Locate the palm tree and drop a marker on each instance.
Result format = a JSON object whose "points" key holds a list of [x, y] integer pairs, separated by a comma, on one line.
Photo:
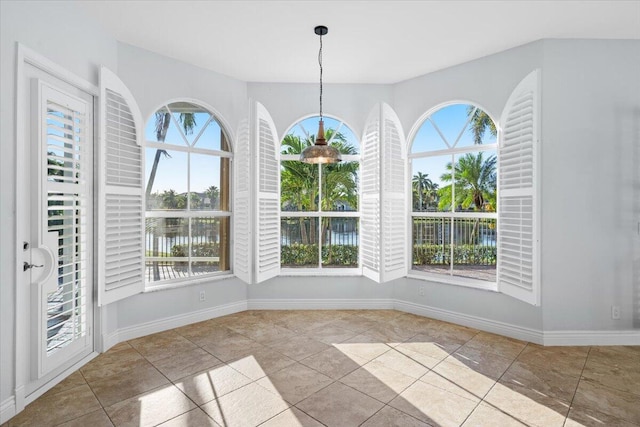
{"points": [[213, 193], [170, 199], [163, 120], [424, 189], [474, 186], [299, 181], [480, 122], [475, 182]]}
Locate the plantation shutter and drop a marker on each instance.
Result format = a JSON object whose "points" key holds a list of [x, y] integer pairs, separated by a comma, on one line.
{"points": [[518, 209], [393, 215], [242, 204], [267, 237], [370, 196], [121, 193]]}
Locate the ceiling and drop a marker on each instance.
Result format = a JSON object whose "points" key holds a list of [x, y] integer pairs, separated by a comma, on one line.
{"points": [[368, 41]]}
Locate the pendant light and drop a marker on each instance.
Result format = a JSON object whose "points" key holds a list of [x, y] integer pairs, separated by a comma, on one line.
{"points": [[320, 152]]}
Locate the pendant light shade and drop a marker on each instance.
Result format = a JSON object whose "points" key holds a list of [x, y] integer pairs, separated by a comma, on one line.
{"points": [[320, 151]]}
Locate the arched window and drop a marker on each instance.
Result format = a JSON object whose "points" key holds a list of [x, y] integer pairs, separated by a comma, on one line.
{"points": [[187, 174], [454, 168], [319, 204]]}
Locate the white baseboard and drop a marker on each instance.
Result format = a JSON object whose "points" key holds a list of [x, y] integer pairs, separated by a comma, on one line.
{"points": [[156, 326], [488, 325], [630, 337], [320, 304], [550, 338], [7, 409]]}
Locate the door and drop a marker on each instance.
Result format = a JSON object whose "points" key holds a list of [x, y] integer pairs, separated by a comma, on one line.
{"points": [[59, 182]]}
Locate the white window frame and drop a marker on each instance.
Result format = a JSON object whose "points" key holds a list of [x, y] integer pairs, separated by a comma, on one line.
{"points": [[187, 214], [319, 214], [452, 215]]}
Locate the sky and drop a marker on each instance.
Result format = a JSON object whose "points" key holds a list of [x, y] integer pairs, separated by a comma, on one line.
{"points": [[205, 169], [450, 120], [172, 172]]}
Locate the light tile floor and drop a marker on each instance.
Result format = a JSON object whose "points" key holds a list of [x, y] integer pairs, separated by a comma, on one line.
{"points": [[343, 368]]}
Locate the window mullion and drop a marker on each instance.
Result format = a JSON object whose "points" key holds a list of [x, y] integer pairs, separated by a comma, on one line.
{"points": [[453, 209], [320, 242]]}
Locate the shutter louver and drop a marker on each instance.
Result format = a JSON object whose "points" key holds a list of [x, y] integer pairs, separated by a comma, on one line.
{"points": [[518, 212], [370, 197], [121, 199], [242, 205], [268, 202]]}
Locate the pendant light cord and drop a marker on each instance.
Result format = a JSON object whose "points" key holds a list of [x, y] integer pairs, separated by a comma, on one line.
{"points": [[320, 62]]}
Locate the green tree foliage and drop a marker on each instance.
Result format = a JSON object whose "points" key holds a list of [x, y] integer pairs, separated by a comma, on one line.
{"points": [[213, 194], [480, 123], [475, 183], [425, 194], [300, 189]]}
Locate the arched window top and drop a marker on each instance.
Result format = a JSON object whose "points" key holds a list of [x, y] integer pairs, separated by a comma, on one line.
{"points": [[337, 133], [454, 126], [189, 125]]}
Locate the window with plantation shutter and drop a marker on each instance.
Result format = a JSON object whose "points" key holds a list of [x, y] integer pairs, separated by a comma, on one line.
{"points": [[383, 196], [393, 196], [518, 218], [121, 200], [242, 259], [267, 237]]}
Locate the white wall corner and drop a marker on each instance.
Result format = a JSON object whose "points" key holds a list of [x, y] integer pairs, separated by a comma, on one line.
{"points": [[320, 304], [488, 325], [7, 409], [627, 337], [164, 324]]}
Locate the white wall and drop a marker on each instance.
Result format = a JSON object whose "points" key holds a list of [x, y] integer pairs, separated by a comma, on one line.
{"points": [[155, 79], [331, 292], [288, 102], [591, 133], [80, 48]]}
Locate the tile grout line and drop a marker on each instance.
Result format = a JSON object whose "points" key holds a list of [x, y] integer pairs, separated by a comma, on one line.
{"points": [[584, 365], [494, 384]]}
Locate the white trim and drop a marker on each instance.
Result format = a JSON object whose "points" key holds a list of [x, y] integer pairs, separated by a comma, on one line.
{"points": [[488, 325], [625, 337], [320, 304], [321, 272], [167, 323], [7, 409]]}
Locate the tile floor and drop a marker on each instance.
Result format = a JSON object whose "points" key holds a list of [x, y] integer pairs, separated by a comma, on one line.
{"points": [[342, 368]]}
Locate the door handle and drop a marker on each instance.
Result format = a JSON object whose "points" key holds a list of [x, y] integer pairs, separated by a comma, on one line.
{"points": [[27, 266]]}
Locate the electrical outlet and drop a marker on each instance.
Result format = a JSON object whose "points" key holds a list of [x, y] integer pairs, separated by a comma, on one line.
{"points": [[615, 312], [421, 290], [202, 297]]}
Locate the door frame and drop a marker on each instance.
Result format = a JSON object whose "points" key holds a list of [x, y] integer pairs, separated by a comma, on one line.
{"points": [[22, 362]]}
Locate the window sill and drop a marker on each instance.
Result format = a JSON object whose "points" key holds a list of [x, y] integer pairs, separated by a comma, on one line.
{"points": [[320, 272], [161, 286], [456, 281]]}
